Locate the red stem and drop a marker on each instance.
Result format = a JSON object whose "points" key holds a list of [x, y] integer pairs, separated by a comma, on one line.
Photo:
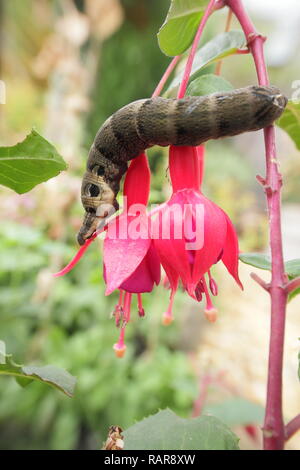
{"points": [[292, 427], [165, 76], [188, 67], [200, 402], [260, 281], [292, 285], [273, 424]]}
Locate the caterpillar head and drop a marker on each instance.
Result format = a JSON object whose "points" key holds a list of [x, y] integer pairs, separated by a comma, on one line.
{"points": [[99, 202], [269, 104]]}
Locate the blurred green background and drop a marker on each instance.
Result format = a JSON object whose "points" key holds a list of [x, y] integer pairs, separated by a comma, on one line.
{"points": [[67, 66]]}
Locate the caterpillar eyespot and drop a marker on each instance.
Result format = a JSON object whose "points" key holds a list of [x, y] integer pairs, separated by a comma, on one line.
{"points": [[98, 170], [160, 121], [92, 190]]}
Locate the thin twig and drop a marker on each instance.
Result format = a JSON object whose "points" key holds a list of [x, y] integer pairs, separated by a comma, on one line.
{"points": [[227, 28], [292, 427], [292, 285], [188, 68], [260, 281], [165, 76]]}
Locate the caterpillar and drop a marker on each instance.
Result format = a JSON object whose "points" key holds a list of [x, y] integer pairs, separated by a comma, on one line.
{"points": [[160, 121]]}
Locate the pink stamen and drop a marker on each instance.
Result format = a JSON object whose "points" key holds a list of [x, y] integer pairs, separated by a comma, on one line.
{"points": [[200, 286], [198, 292], [210, 311], [79, 254], [212, 284], [168, 315], [127, 305], [120, 346], [141, 310], [118, 312]]}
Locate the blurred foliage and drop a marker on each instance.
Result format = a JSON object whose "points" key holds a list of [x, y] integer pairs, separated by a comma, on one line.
{"points": [[131, 64], [71, 328]]}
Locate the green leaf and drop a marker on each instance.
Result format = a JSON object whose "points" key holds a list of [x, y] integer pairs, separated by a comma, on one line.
{"points": [[294, 294], [51, 375], [236, 411], [292, 268], [258, 260], [180, 26], [29, 163], [167, 431], [207, 84], [289, 121], [219, 47]]}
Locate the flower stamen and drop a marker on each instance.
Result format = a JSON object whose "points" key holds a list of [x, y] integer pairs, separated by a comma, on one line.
{"points": [[120, 346], [141, 310], [118, 312], [213, 286], [168, 315], [210, 311]]}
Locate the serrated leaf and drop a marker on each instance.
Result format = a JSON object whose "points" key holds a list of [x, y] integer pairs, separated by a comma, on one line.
{"points": [[207, 84], [236, 412], [258, 260], [51, 375], [219, 47], [180, 26], [289, 121], [167, 431], [29, 163]]}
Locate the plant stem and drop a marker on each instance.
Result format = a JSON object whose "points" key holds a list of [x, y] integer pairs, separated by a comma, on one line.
{"points": [[188, 68], [227, 28], [292, 427], [273, 426], [292, 285], [165, 76], [200, 402]]}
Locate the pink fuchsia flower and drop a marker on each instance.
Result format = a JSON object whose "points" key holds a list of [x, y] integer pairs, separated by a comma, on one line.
{"points": [[200, 233], [130, 262], [129, 258]]}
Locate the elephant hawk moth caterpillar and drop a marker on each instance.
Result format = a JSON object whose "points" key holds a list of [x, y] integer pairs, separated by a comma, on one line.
{"points": [[159, 121]]}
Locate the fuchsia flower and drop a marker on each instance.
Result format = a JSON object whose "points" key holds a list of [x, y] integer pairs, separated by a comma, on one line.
{"points": [[130, 260], [200, 233], [187, 241]]}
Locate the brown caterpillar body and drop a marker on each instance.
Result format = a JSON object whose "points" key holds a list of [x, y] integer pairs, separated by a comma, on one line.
{"points": [[160, 121]]}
